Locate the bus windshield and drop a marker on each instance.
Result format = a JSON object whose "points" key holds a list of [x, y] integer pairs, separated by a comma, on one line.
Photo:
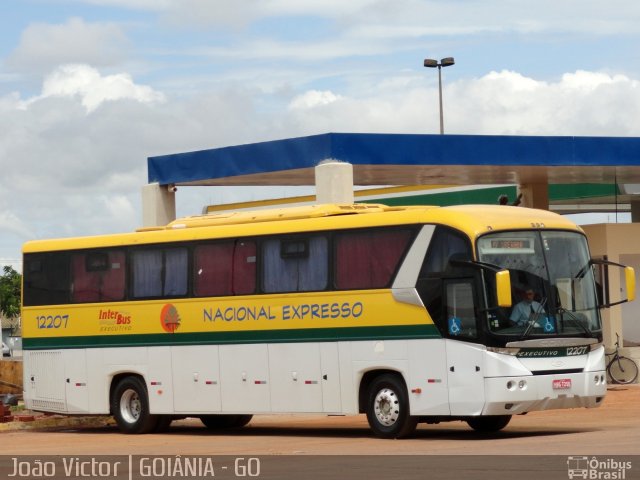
{"points": [[553, 283]]}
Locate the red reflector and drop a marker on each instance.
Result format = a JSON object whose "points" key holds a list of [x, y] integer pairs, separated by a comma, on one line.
{"points": [[260, 382]]}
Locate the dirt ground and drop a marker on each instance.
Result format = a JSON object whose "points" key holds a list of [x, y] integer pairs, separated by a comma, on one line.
{"points": [[612, 429]]}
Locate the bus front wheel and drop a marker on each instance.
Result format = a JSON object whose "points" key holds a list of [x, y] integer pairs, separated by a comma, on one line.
{"points": [[388, 408], [488, 424], [130, 406]]}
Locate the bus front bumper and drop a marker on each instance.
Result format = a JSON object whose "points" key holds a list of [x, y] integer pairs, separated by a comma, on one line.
{"points": [[515, 395]]}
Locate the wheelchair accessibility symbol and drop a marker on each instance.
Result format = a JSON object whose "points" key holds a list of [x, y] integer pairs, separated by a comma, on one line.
{"points": [[455, 326], [549, 325]]}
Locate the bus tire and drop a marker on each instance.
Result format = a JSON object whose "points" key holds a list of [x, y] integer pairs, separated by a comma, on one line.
{"points": [[388, 408], [489, 424], [130, 406], [225, 421]]}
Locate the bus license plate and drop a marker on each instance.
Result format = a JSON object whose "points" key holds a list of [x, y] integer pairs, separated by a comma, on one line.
{"points": [[562, 384]]}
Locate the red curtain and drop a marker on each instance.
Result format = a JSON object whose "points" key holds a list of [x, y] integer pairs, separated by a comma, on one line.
{"points": [[222, 269], [368, 259], [99, 285]]}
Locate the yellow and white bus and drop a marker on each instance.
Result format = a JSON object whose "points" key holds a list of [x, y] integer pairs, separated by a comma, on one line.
{"points": [[401, 313]]}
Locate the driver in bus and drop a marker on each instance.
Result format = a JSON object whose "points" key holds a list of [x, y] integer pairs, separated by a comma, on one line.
{"points": [[523, 310]]}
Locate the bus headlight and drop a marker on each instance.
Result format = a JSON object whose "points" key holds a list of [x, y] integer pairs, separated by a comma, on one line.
{"points": [[522, 384]]}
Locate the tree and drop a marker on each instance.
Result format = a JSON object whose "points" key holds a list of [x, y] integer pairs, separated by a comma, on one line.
{"points": [[10, 282]]}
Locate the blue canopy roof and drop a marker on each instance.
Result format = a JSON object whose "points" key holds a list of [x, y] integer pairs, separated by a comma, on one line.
{"points": [[405, 159]]}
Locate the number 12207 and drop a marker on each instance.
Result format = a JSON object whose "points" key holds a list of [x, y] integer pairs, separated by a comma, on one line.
{"points": [[50, 321]]}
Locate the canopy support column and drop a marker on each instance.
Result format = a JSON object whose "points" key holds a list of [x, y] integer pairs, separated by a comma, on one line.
{"points": [[534, 195], [158, 205], [334, 182]]}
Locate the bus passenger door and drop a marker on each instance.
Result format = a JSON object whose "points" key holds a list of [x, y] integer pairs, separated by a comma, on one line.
{"points": [[465, 360]]}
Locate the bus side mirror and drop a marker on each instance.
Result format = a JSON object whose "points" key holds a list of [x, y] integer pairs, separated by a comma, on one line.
{"points": [[630, 280], [503, 288]]}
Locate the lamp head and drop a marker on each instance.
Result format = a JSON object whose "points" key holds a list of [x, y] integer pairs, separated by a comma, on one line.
{"points": [[447, 62]]}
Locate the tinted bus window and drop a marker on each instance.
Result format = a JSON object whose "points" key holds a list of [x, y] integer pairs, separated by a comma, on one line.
{"points": [[222, 269], [368, 259], [98, 276], [46, 279], [159, 272], [299, 264]]}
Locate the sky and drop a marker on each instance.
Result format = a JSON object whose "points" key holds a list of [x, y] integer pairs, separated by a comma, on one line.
{"points": [[90, 88]]}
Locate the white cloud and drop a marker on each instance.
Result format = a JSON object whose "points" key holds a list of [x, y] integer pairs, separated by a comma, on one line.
{"points": [[580, 103], [93, 89], [236, 12], [44, 46], [589, 81], [312, 99], [405, 18]]}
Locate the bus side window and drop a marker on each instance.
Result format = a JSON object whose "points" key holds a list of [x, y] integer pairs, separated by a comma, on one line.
{"points": [[159, 272], [461, 317], [369, 258], [47, 279], [98, 276], [224, 268], [296, 264], [446, 244]]}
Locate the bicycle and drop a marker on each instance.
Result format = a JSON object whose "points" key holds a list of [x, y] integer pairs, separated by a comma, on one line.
{"points": [[621, 370]]}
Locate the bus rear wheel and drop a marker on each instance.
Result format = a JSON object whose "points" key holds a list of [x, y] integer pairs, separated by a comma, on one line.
{"points": [[225, 421], [130, 406], [388, 408], [488, 424]]}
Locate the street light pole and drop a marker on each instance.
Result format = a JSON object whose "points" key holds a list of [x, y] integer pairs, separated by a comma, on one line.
{"points": [[445, 62]]}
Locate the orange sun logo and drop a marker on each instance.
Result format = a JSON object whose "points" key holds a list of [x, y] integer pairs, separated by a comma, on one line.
{"points": [[169, 318]]}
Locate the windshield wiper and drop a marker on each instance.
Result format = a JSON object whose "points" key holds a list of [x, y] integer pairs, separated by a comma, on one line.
{"points": [[582, 272], [575, 320], [533, 319]]}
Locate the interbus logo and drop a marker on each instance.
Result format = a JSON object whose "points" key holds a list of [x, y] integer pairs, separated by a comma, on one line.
{"points": [[169, 318]]}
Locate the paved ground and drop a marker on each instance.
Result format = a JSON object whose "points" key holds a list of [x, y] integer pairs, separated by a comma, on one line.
{"points": [[612, 429]]}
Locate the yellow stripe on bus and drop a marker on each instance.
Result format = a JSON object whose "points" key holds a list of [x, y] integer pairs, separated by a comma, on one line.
{"points": [[371, 308]]}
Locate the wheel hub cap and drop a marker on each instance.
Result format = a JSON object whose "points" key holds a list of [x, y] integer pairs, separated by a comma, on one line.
{"points": [[130, 406], [387, 407]]}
